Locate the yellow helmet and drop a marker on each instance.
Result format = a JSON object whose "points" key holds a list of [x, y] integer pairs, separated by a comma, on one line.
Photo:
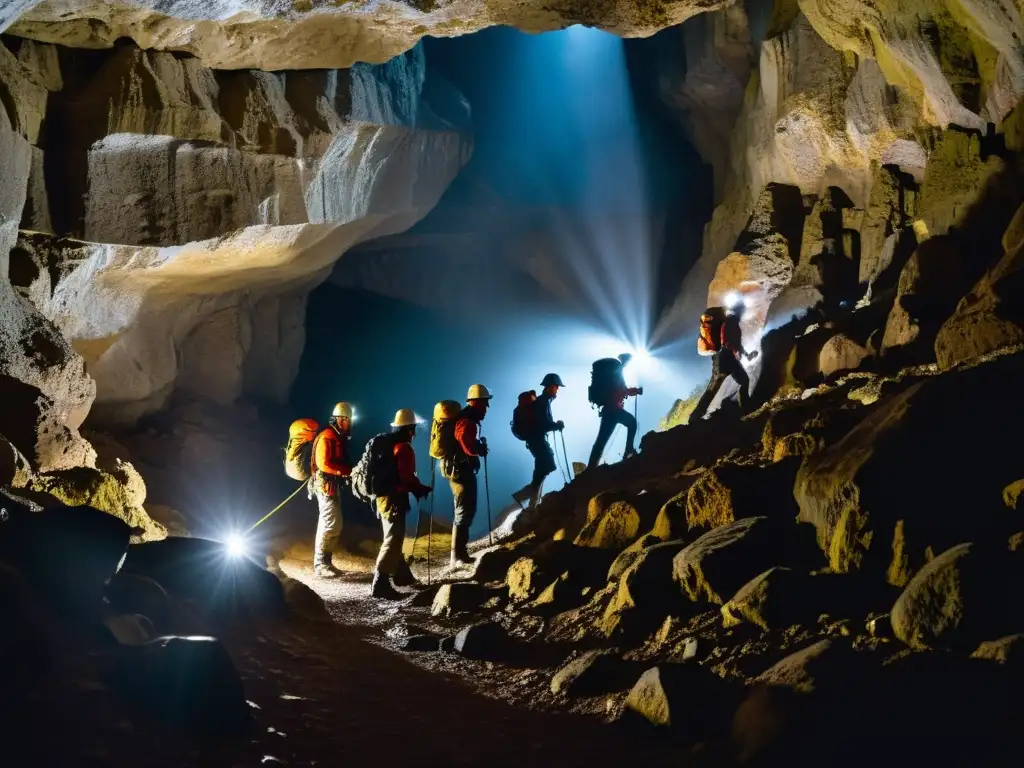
{"points": [[406, 417], [343, 411], [478, 392]]}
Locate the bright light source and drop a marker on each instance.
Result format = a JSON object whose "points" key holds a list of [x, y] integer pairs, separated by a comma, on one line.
{"points": [[235, 545]]}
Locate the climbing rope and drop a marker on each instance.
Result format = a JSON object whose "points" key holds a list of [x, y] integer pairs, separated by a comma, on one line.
{"points": [[275, 509]]}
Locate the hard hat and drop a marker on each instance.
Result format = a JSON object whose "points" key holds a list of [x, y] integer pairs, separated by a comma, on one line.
{"points": [[304, 428], [479, 392], [552, 380], [625, 357], [343, 410], [405, 418]]}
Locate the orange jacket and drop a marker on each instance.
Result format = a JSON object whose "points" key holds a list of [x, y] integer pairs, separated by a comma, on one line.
{"points": [[330, 453], [467, 433], [405, 458]]}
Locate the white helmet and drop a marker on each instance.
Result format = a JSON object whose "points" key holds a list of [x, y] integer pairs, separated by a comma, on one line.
{"points": [[405, 418], [479, 392], [343, 410]]}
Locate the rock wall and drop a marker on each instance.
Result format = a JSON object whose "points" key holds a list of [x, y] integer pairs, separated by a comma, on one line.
{"points": [[177, 216], [308, 34]]}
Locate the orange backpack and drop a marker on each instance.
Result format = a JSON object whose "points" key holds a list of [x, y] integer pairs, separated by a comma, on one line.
{"points": [[712, 324], [298, 453]]}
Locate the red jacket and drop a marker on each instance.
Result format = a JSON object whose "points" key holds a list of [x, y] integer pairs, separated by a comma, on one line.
{"points": [[618, 397], [467, 433], [330, 454], [408, 482]]}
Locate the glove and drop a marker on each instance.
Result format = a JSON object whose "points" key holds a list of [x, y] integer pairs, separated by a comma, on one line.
{"points": [[559, 425], [424, 492], [483, 449], [640, 391], [752, 355]]}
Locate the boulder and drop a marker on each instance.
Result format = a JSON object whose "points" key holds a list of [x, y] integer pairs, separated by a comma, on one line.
{"points": [[1007, 650], [120, 493], [26, 643], [131, 593], [15, 471], [548, 562], [952, 601], [645, 594], [303, 600], [422, 643], [671, 522], [716, 565], [493, 564], [841, 353], [202, 571], [459, 597], [594, 672], [613, 522], [487, 641], [686, 698], [729, 492], [188, 682], [988, 318], [825, 664], [629, 555], [777, 598], [865, 521], [130, 629], [1012, 494], [67, 553]]}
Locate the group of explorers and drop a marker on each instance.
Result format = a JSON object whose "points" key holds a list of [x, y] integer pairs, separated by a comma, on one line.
{"points": [[385, 476]]}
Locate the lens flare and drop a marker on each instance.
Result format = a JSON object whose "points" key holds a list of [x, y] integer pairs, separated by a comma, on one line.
{"points": [[235, 545]]}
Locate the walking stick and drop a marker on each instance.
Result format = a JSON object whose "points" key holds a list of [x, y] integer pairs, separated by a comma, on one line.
{"points": [[487, 490], [565, 455], [554, 451], [430, 519]]}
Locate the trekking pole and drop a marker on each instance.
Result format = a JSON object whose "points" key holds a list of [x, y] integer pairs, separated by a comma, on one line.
{"points": [[565, 455], [419, 524], [554, 451], [487, 490], [430, 519]]}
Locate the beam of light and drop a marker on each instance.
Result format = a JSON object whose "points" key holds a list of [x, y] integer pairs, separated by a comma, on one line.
{"points": [[235, 545]]}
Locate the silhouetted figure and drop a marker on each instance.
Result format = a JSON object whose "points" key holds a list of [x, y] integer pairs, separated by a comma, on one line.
{"points": [[721, 337], [533, 430], [608, 390]]}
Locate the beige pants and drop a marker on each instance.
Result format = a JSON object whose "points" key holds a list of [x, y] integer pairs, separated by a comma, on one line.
{"points": [[392, 512], [328, 527]]}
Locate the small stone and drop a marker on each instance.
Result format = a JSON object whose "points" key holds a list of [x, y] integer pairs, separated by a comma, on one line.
{"points": [[1007, 650], [482, 641]]}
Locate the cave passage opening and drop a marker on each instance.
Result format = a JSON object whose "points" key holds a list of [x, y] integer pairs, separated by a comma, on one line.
{"points": [[561, 241]]}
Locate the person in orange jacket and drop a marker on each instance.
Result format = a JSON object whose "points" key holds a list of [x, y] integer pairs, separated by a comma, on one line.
{"points": [[726, 339], [331, 467], [393, 508], [464, 467]]}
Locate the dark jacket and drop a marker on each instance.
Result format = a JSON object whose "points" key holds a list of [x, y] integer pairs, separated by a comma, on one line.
{"points": [[543, 422]]}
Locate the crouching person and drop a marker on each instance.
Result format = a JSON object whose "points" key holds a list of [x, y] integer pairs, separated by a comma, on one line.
{"points": [[392, 509]]}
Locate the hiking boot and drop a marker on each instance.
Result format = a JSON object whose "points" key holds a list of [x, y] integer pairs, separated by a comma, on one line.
{"points": [[323, 568], [629, 453], [522, 496], [405, 578], [460, 538], [381, 588]]}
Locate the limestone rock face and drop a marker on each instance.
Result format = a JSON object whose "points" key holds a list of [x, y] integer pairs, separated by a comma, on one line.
{"points": [[205, 205], [310, 34]]}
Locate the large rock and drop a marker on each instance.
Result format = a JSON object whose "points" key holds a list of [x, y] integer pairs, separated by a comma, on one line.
{"points": [[594, 672], [459, 598], [953, 601], [66, 553], [312, 34], [120, 493], [775, 599], [989, 317], [614, 525], [188, 682], [945, 492], [716, 565], [686, 698], [841, 353], [207, 205], [202, 571], [729, 492], [645, 594]]}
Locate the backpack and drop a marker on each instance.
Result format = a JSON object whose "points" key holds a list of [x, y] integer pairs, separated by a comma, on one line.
{"points": [[443, 444], [605, 378], [376, 472], [712, 327], [298, 453], [524, 416]]}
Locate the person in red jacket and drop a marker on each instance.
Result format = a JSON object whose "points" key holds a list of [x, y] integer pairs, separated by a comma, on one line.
{"points": [[613, 413], [727, 341], [331, 467], [464, 466], [392, 509]]}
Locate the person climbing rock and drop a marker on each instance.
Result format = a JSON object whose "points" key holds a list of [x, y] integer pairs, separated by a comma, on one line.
{"points": [[721, 336], [534, 431], [608, 391], [393, 508], [331, 467], [462, 468]]}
